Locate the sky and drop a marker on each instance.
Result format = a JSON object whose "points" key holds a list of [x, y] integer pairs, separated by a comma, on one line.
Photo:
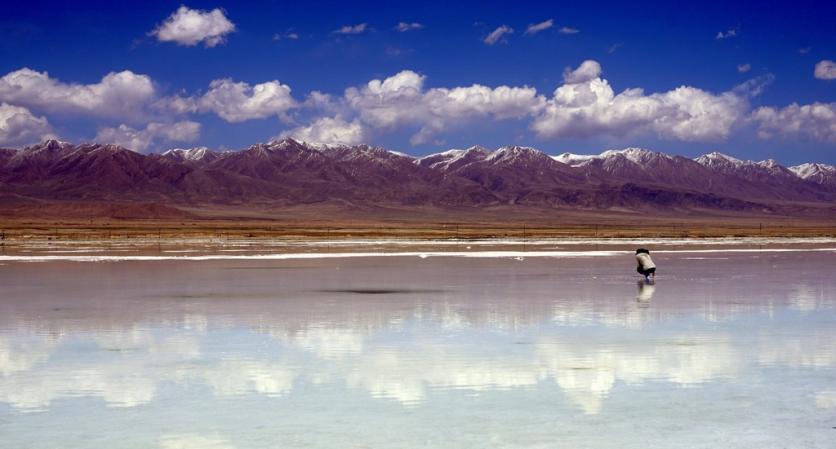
{"points": [[755, 80]]}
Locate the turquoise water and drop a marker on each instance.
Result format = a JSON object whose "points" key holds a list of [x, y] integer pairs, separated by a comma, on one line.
{"points": [[726, 350]]}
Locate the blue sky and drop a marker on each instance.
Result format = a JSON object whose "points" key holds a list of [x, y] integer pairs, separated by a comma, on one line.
{"points": [[655, 46]]}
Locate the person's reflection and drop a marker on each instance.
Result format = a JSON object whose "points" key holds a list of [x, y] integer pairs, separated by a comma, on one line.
{"points": [[645, 294]]}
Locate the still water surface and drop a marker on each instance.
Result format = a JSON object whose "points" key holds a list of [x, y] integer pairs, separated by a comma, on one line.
{"points": [[728, 349]]}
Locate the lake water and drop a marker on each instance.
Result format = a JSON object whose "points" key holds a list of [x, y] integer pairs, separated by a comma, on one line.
{"points": [[729, 349]]}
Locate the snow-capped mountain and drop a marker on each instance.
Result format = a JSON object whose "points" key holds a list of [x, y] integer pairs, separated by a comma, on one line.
{"points": [[292, 173], [196, 155], [823, 174], [639, 156], [763, 178], [722, 163], [453, 159]]}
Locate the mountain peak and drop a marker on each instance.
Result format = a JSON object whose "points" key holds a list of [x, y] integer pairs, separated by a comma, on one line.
{"points": [[287, 142], [816, 172], [575, 160], [716, 158], [189, 154], [48, 145], [514, 152], [637, 155], [454, 158]]}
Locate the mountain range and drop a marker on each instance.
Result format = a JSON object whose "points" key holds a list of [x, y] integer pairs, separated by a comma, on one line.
{"points": [[55, 175]]}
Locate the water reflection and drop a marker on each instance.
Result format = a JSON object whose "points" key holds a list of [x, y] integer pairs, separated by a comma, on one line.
{"points": [[125, 369], [130, 347], [645, 294]]}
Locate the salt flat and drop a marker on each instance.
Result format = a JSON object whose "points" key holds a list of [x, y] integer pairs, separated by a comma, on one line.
{"points": [[521, 346]]}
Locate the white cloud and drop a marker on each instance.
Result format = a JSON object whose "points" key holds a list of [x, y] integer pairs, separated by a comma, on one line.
{"points": [[291, 35], [498, 34], [353, 29], [328, 130], [535, 28], [402, 100], [407, 26], [122, 95], [817, 120], [727, 34], [235, 101], [743, 68], [588, 70], [825, 70], [568, 30], [18, 126], [141, 139], [587, 105], [753, 87], [190, 27]]}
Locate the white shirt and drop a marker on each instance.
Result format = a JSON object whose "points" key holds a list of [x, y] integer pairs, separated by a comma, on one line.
{"points": [[645, 261]]}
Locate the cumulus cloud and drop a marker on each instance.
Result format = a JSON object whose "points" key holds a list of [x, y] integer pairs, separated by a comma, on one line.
{"points": [[18, 126], [353, 29], [235, 101], [329, 130], [568, 30], [407, 26], [190, 27], [535, 28], [825, 70], [587, 105], [726, 34], [402, 100], [588, 70], [141, 139], [122, 95], [743, 68], [498, 34], [817, 121]]}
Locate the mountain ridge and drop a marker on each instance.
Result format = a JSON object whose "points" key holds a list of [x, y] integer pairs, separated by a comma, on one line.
{"points": [[289, 172]]}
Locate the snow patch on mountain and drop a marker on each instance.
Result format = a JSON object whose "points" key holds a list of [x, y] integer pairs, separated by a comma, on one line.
{"points": [[717, 159], [811, 169], [454, 157], [188, 154], [824, 174], [575, 160], [637, 155], [514, 153]]}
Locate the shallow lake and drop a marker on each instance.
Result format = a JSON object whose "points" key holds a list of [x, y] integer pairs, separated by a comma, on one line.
{"points": [[727, 349]]}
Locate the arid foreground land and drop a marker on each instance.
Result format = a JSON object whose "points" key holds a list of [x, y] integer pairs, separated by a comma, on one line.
{"points": [[501, 224]]}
